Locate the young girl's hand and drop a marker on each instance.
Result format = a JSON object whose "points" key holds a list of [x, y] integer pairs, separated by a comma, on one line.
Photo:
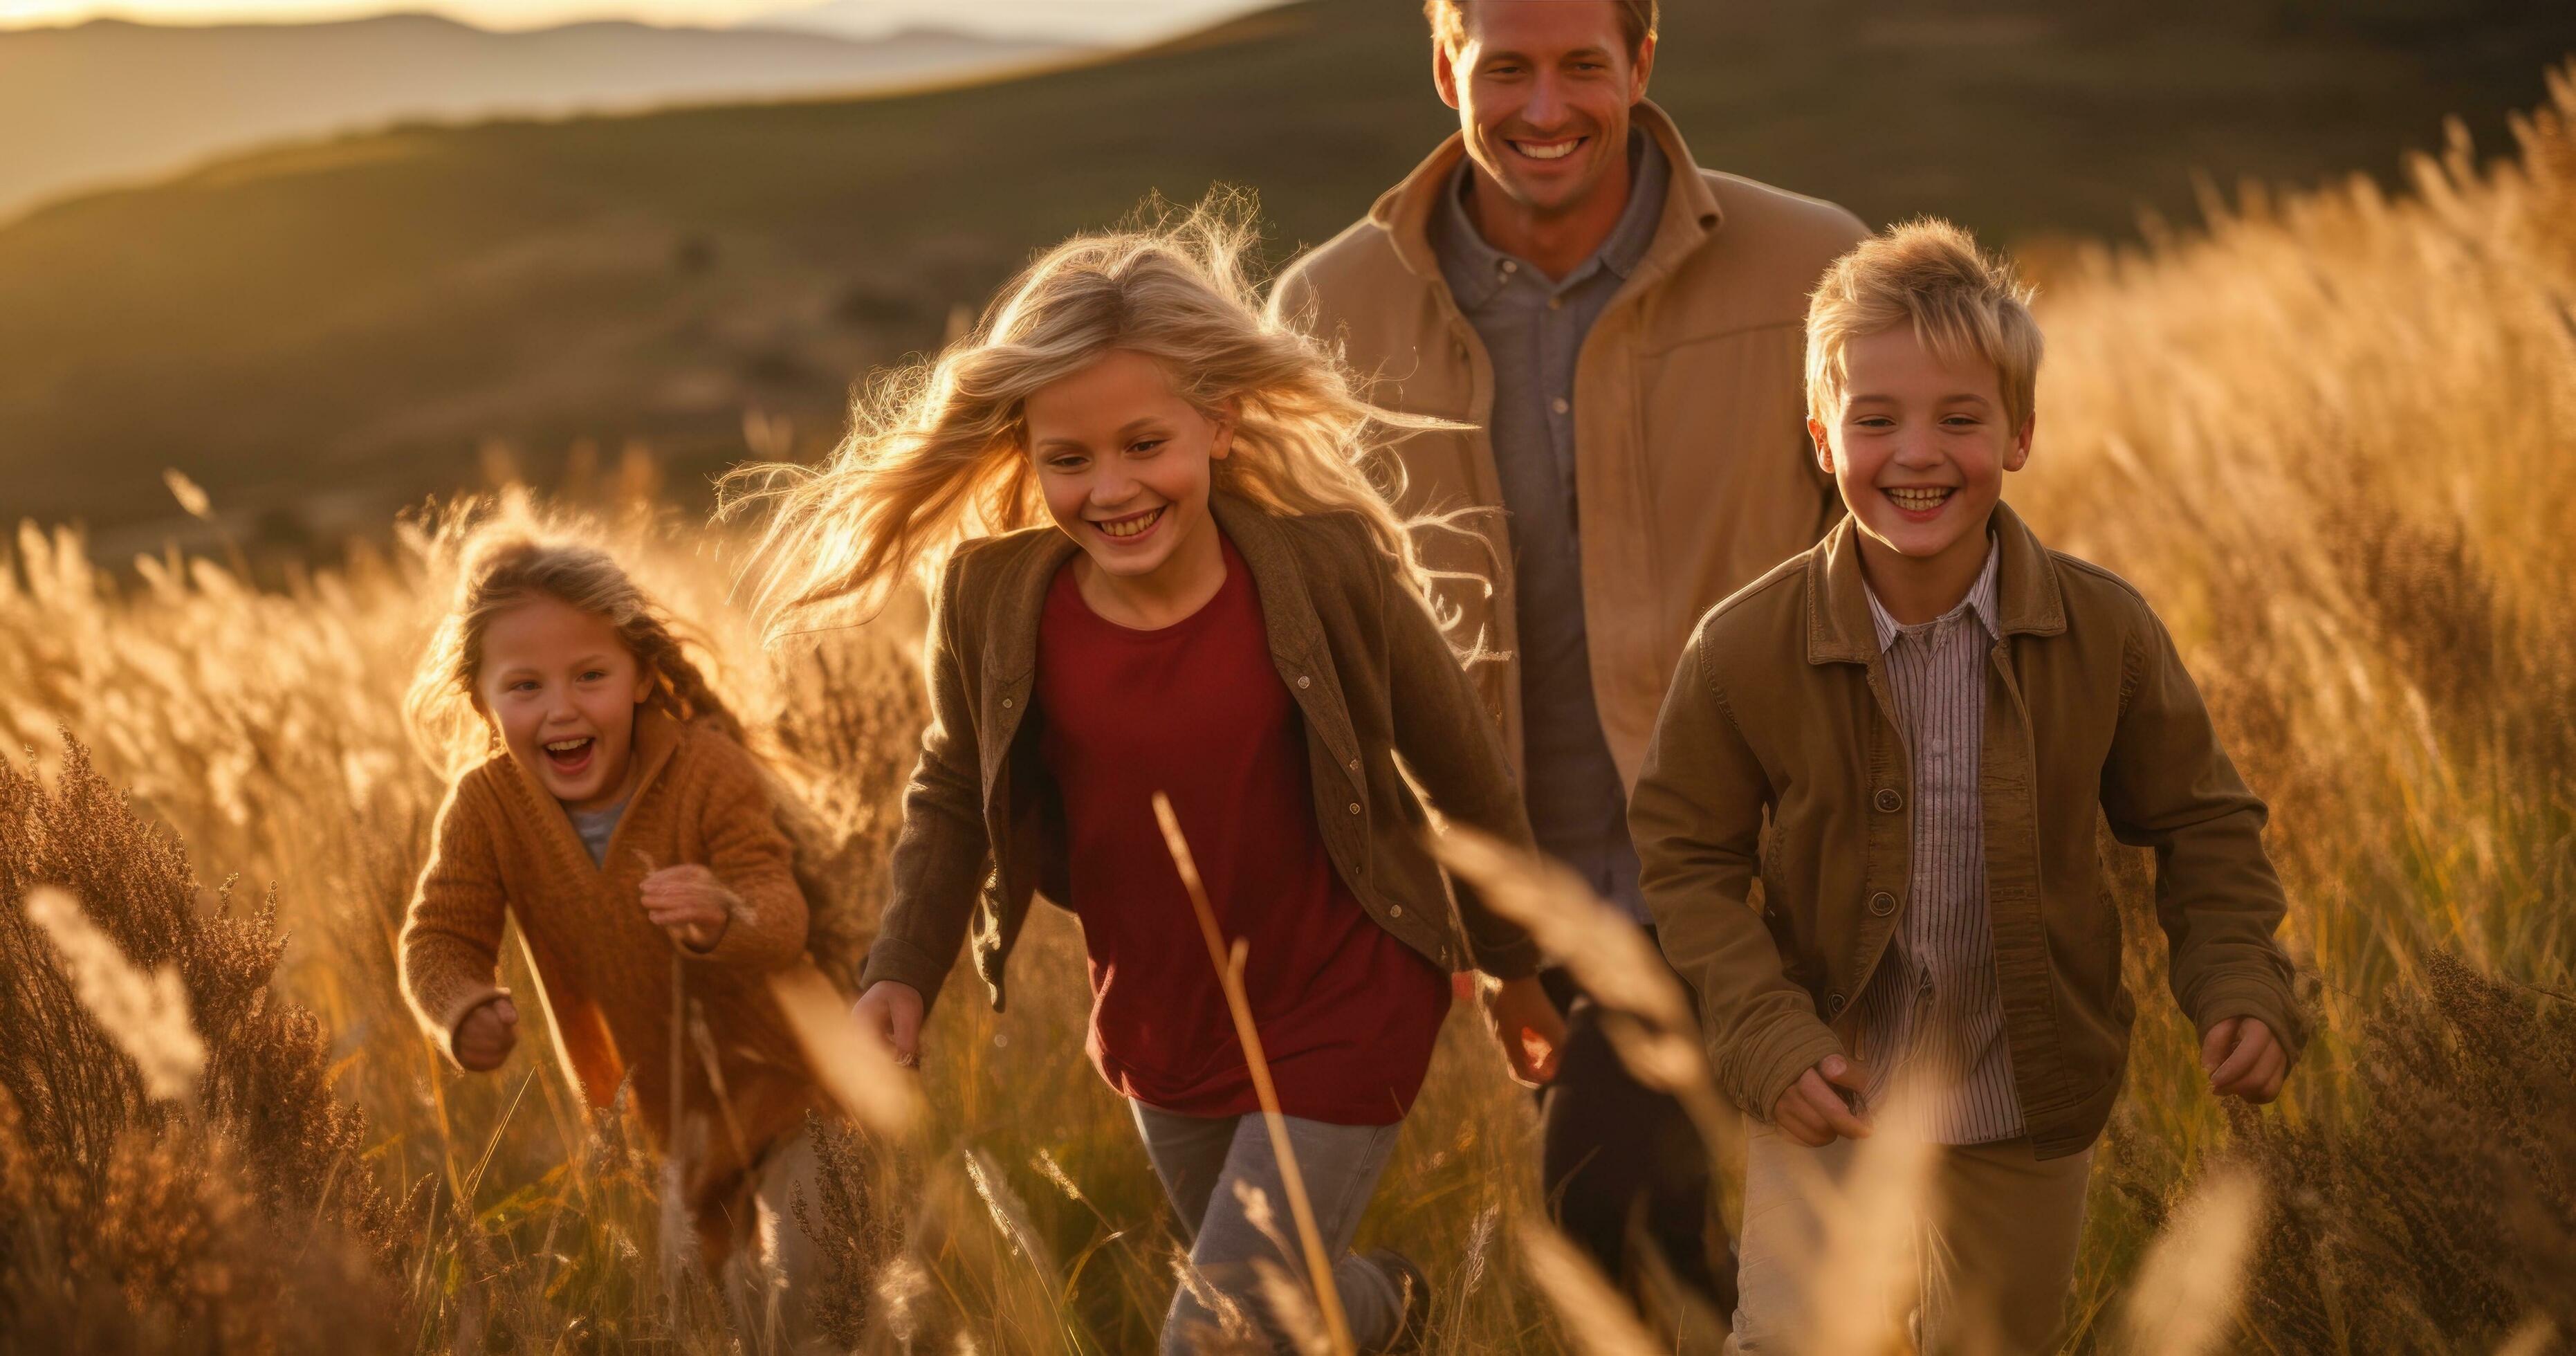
{"points": [[691, 904], [1530, 1028], [487, 1035], [891, 1012], [2244, 1059]]}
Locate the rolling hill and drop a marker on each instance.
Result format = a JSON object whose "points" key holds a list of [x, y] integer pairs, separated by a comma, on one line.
{"points": [[110, 101], [316, 332]]}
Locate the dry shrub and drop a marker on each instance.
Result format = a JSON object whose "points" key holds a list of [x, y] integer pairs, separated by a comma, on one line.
{"points": [[242, 1217], [2443, 1214]]}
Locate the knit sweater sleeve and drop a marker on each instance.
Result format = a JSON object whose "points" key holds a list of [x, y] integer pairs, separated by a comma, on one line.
{"points": [[451, 936], [753, 857]]}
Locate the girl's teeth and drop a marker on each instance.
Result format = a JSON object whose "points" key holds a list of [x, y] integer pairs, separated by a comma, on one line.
{"points": [[1128, 527]]}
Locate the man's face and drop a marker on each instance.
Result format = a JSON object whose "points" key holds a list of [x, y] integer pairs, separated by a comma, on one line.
{"points": [[1543, 89]]}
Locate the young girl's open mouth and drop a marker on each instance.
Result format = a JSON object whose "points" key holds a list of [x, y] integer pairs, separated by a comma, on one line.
{"points": [[571, 757], [1132, 527]]}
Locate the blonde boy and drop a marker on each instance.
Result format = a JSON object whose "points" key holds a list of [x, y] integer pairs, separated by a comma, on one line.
{"points": [[1931, 710]]}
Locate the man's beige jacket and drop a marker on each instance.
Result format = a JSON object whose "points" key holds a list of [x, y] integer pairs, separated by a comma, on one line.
{"points": [[1692, 468]]}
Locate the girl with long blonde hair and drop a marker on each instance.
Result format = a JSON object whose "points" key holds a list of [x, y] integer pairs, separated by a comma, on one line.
{"points": [[1159, 564], [600, 794]]}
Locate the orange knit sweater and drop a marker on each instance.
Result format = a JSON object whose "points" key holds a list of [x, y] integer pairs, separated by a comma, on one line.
{"points": [[504, 845]]}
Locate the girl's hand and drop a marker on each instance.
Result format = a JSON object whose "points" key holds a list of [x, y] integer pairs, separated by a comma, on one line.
{"points": [[890, 1011], [2244, 1059], [1530, 1028], [487, 1035], [691, 904]]}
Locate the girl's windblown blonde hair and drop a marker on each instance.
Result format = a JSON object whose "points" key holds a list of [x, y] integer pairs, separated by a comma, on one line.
{"points": [[505, 555], [936, 451]]}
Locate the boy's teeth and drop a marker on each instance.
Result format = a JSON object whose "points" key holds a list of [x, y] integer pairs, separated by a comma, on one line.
{"points": [[1919, 499]]}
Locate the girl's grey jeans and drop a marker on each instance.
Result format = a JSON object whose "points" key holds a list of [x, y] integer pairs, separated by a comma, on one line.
{"points": [[1223, 1182]]}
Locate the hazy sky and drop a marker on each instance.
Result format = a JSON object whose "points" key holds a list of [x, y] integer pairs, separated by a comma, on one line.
{"points": [[1095, 20]]}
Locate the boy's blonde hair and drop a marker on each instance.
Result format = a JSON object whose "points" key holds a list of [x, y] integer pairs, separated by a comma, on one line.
{"points": [[505, 555], [1930, 274], [936, 453]]}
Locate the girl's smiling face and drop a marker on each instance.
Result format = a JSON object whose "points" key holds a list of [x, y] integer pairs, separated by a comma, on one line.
{"points": [[563, 687], [1125, 465]]}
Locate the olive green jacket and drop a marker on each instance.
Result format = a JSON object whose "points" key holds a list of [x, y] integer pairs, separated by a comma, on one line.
{"points": [[1371, 674], [1779, 718]]}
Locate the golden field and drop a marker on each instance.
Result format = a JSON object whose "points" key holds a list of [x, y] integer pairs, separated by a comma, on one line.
{"points": [[2330, 440]]}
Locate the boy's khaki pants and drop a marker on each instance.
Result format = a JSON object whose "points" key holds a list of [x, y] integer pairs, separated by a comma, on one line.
{"points": [[1968, 1249]]}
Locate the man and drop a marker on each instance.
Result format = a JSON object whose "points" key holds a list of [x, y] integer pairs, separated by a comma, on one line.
{"points": [[1625, 331]]}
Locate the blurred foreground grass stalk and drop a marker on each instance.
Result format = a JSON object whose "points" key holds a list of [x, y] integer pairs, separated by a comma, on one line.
{"points": [[2329, 441]]}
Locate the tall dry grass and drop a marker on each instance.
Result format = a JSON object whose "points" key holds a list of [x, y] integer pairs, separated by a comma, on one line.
{"points": [[2327, 439]]}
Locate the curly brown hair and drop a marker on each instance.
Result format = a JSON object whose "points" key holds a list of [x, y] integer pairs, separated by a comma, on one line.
{"points": [[504, 559]]}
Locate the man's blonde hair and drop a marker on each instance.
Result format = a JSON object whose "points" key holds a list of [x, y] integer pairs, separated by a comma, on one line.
{"points": [[1637, 22], [1961, 301]]}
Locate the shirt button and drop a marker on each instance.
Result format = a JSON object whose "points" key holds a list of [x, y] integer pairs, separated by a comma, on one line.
{"points": [[1560, 404], [1355, 807], [1889, 800], [1882, 903], [1510, 266], [1556, 303]]}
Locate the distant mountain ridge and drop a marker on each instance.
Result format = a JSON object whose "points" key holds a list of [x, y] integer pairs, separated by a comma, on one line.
{"points": [[113, 101], [315, 333]]}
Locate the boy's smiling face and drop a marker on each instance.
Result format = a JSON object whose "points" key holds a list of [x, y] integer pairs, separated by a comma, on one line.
{"points": [[1919, 448], [563, 687]]}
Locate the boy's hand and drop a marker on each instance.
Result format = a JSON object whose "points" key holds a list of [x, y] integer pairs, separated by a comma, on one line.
{"points": [[691, 904], [487, 1035], [891, 1011], [1530, 1028], [2244, 1059], [1814, 1113]]}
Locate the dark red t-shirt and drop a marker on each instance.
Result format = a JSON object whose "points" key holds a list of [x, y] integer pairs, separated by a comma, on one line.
{"points": [[1196, 710]]}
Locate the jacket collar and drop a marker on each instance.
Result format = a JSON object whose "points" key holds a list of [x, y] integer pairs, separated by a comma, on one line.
{"points": [[1841, 631], [1036, 554], [1407, 212]]}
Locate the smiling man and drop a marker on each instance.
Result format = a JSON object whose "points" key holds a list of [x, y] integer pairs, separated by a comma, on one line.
{"points": [[1625, 332]]}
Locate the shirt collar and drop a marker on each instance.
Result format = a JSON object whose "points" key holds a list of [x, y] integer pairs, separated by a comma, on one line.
{"points": [[1980, 601], [1478, 271]]}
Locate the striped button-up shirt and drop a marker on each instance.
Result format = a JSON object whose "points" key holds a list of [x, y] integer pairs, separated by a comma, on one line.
{"points": [[1931, 1019]]}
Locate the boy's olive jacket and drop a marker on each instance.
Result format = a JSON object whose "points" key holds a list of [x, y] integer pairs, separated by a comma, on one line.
{"points": [[1780, 715], [1370, 673]]}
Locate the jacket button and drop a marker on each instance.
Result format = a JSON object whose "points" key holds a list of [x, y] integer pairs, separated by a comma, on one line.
{"points": [[1395, 911], [1833, 1005], [1006, 703], [1889, 800], [1882, 903], [1304, 682], [1355, 807], [1355, 765]]}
